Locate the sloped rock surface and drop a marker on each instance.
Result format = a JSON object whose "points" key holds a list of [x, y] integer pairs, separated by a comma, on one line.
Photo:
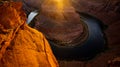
{"points": [[20, 45]]}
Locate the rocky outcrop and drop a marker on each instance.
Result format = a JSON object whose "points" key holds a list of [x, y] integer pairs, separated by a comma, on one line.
{"points": [[20, 45]]}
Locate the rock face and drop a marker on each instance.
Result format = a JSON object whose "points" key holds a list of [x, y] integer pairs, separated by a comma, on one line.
{"points": [[114, 62], [106, 10], [20, 45]]}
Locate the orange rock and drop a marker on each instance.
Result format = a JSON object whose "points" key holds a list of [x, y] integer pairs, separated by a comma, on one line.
{"points": [[20, 45]]}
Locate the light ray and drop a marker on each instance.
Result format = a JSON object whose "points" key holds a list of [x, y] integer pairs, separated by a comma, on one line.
{"points": [[57, 10]]}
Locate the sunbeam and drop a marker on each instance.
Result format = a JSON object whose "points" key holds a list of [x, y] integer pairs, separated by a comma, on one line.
{"points": [[57, 10]]}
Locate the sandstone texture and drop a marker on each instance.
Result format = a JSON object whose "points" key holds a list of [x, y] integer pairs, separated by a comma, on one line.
{"points": [[20, 45]]}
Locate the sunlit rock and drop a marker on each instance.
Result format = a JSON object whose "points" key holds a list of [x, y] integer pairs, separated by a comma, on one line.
{"points": [[20, 45]]}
